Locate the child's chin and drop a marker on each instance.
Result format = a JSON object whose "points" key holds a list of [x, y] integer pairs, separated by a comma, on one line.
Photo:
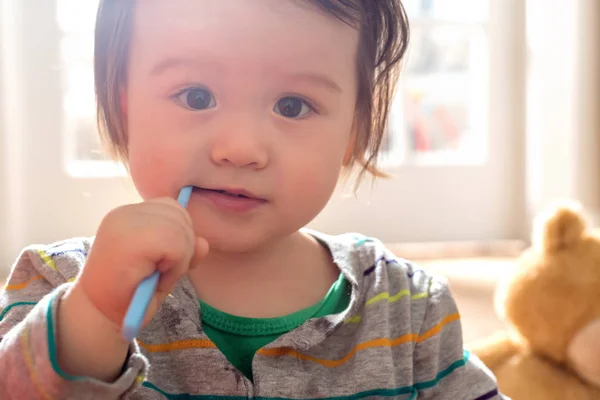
{"points": [[236, 243], [245, 236]]}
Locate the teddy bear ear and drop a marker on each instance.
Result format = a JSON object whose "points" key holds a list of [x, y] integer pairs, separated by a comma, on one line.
{"points": [[559, 227]]}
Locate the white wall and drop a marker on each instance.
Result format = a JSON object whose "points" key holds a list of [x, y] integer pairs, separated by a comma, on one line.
{"points": [[11, 149], [42, 201], [4, 223], [587, 107], [3, 189], [563, 132]]}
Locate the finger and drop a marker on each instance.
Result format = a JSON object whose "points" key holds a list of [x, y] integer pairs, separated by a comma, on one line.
{"points": [[175, 214], [200, 252], [166, 244], [175, 270], [153, 222], [171, 276], [167, 203]]}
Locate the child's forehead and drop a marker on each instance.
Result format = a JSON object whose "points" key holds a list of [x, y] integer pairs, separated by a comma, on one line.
{"points": [[283, 30], [282, 17]]}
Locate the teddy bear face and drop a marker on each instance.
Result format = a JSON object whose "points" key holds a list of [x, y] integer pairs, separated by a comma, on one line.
{"points": [[554, 297]]}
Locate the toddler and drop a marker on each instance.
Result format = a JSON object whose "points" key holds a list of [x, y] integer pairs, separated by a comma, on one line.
{"points": [[261, 106]]}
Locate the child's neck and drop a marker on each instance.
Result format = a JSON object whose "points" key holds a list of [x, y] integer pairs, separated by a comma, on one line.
{"points": [[293, 273]]}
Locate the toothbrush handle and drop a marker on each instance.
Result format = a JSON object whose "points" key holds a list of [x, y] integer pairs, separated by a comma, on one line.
{"points": [[134, 317], [139, 305]]}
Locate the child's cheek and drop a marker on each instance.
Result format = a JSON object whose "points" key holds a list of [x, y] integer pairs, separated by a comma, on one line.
{"points": [[309, 189], [153, 175]]}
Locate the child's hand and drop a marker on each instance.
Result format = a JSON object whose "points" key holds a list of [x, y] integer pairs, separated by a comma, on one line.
{"points": [[132, 242]]}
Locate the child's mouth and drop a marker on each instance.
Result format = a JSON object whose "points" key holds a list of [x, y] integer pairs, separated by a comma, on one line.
{"points": [[237, 200], [232, 193], [226, 193]]}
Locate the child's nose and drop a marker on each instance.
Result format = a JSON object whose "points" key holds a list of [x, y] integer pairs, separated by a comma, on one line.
{"points": [[241, 144]]}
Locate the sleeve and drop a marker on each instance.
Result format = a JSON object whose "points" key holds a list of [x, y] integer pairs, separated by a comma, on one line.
{"points": [[29, 304], [443, 369]]}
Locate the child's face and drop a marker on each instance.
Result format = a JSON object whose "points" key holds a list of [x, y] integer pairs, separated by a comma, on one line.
{"points": [[238, 94]]}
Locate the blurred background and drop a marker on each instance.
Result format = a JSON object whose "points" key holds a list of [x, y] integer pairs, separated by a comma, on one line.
{"points": [[497, 114]]}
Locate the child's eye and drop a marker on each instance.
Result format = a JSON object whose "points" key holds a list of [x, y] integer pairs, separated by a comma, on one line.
{"points": [[292, 107], [196, 98]]}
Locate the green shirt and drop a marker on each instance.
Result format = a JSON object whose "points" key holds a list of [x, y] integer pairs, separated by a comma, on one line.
{"points": [[239, 338]]}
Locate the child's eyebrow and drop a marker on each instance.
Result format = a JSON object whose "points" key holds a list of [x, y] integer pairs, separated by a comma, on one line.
{"points": [[176, 62], [313, 78], [316, 79]]}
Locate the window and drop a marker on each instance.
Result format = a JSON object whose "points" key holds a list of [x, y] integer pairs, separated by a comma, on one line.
{"points": [[84, 150], [440, 111]]}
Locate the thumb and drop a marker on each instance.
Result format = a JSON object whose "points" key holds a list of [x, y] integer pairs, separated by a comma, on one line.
{"points": [[169, 279], [200, 252]]}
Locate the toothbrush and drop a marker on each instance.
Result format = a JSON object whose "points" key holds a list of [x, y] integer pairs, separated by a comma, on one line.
{"points": [[145, 290]]}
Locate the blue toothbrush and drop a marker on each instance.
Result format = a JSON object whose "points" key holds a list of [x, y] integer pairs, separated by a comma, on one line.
{"points": [[143, 294]]}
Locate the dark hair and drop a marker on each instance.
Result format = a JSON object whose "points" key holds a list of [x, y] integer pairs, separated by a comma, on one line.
{"points": [[384, 35]]}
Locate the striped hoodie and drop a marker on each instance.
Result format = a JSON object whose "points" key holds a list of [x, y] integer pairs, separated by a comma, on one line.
{"points": [[399, 338]]}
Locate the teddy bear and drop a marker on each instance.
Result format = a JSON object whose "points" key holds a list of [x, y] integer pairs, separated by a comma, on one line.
{"points": [[551, 306]]}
